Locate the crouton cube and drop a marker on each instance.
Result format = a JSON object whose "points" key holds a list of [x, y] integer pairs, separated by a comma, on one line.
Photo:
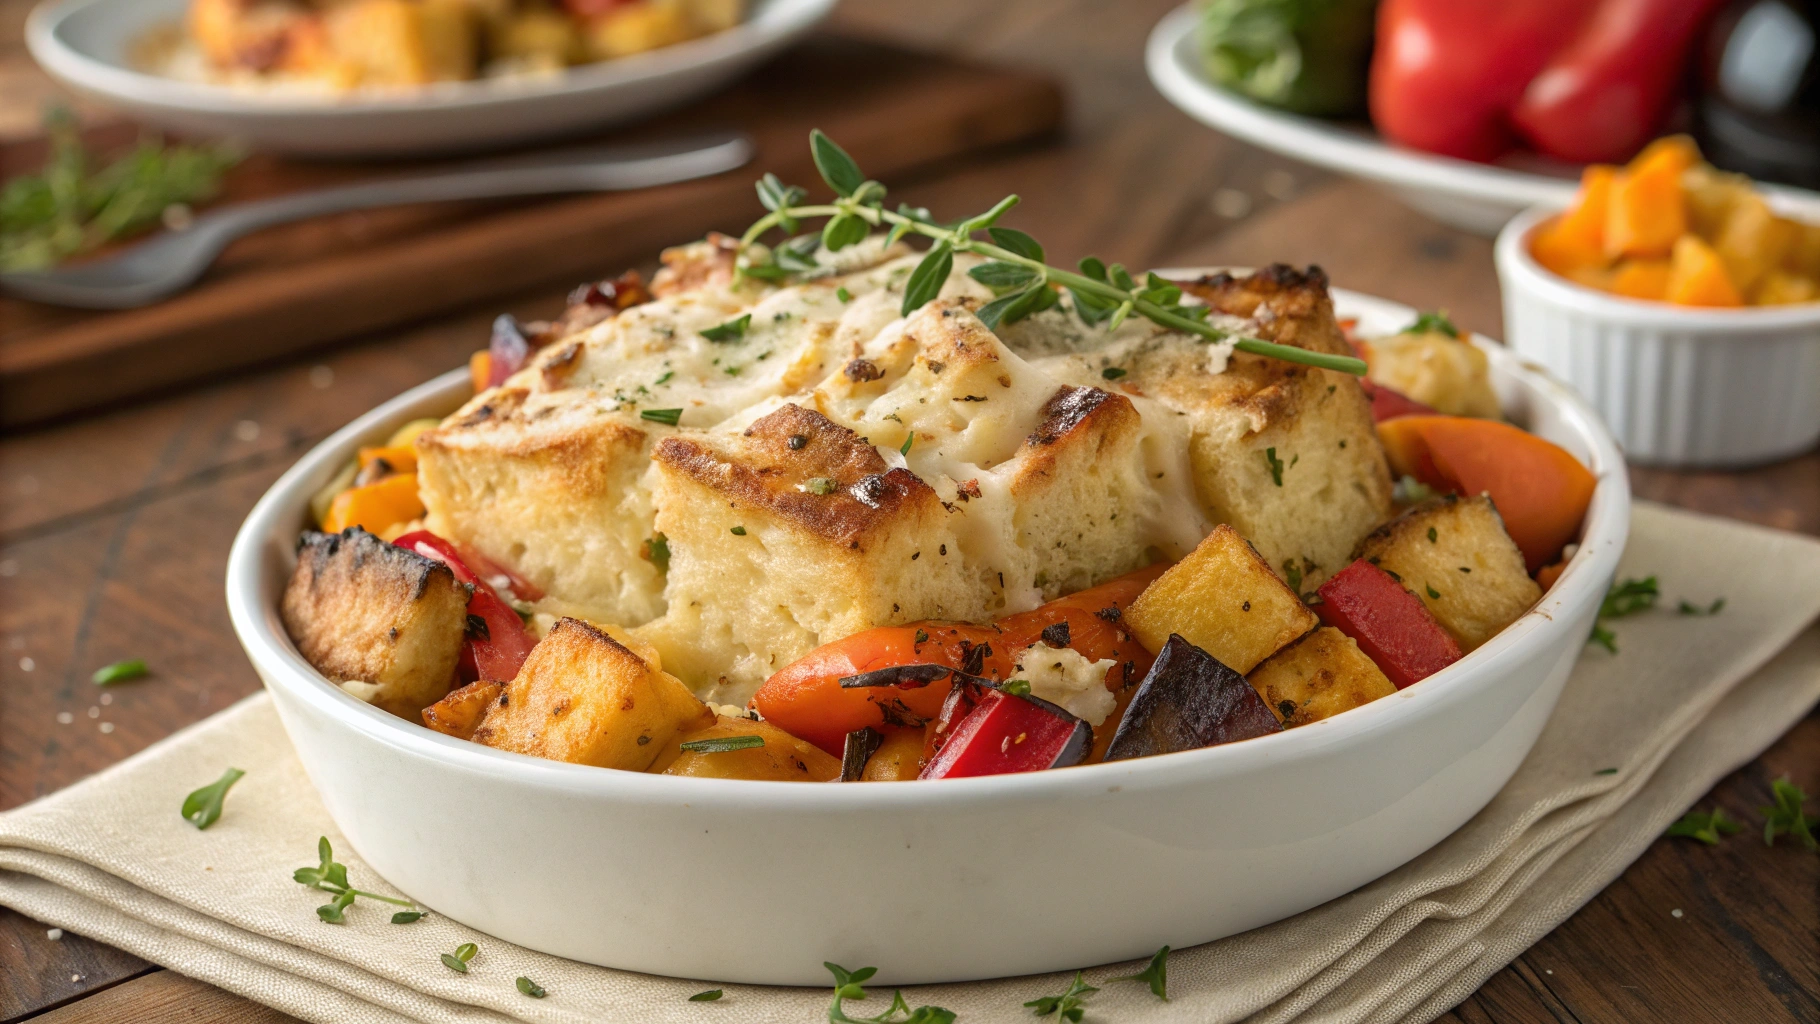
{"points": [[1317, 677], [637, 27], [459, 713], [586, 698], [782, 757], [384, 623], [1452, 553], [1446, 374], [1223, 599], [401, 42]]}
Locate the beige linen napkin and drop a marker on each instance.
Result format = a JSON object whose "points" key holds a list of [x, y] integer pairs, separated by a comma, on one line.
{"points": [[1686, 701]]}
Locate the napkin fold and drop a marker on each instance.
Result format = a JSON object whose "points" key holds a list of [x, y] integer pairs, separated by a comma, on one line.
{"points": [[1685, 701]]}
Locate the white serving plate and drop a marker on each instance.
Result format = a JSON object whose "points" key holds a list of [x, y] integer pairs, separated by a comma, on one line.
{"points": [[761, 882], [84, 45], [1470, 196]]}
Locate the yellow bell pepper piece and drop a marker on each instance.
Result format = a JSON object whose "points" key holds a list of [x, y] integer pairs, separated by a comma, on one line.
{"points": [[375, 507]]}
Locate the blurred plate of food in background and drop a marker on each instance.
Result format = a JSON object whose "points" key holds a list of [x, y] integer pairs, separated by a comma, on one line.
{"points": [[373, 78]]}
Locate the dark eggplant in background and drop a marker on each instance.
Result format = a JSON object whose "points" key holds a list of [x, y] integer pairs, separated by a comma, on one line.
{"points": [[1187, 701]]}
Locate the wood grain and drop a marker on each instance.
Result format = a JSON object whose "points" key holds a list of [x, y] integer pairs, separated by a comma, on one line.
{"points": [[163, 997], [294, 287], [117, 545]]}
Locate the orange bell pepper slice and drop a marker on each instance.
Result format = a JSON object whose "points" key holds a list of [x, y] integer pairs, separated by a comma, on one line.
{"points": [[480, 369], [1541, 491], [1641, 279], [376, 506], [1576, 238], [1648, 205], [402, 458], [1697, 276]]}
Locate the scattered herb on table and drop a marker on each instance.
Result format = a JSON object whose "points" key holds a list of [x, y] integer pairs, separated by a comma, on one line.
{"points": [[1707, 828], [1606, 771], [1015, 269], [458, 960], [527, 986], [1786, 817], [847, 986], [332, 876], [1156, 975], [203, 807], [407, 917], [723, 744], [1069, 1006], [1626, 598], [712, 994], [70, 208], [732, 330], [1689, 608], [119, 672]]}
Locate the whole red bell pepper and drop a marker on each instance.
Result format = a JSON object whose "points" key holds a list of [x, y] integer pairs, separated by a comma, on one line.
{"points": [[1447, 72], [497, 643], [1604, 94]]}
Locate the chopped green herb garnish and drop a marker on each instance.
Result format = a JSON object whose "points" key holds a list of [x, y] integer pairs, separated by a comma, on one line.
{"points": [[1069, 1006], [1019, 687], [1156, 975], [1688, 608], [665, 379], [732, 330], [1275, 464], [1410, 491], [1604, 638], [844, 295], [723, 744], [531, 988], [712, 994], [1433, 537], [847, 985], [657, 552], [820, 485], [1786, 817], [1292, 574], [1111, 373], [119, 672], [669, 417], [1707, 828], [1606, 771], [458, 960], [1432, 323], [921, 637], [904, 449], [1433, 594], [738, 531], [1629, 598], [731, 371], [332, 877], [203, 807]]}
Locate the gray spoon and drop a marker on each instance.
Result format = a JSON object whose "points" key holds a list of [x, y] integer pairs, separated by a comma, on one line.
{"points": [[172, 261]]}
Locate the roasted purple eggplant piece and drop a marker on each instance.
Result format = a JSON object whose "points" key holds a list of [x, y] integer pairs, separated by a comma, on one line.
{"points": [[1187, 701]]}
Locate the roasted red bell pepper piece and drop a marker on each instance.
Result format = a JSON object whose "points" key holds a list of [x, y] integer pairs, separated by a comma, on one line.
{"points": [[1606, 92], [497, 641], [1446, 74], [1007, 733], [1387, 404], [1388, 622]]}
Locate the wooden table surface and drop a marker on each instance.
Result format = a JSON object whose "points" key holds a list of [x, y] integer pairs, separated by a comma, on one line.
{"points": [[114, 528]]}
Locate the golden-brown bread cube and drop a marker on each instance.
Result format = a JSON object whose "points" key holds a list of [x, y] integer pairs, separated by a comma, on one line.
{"points": [[1223, 599], [715, 15], [637, 27], [405, 42], [459, 713], [1286, 454], [384, 623], [783, 758], [586, 698], [1444, 373], [1317, 677], [1453, 554]]}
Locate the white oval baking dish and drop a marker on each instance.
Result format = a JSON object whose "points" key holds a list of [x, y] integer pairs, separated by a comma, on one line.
{"points": [[761, 882], [1678, 385]]}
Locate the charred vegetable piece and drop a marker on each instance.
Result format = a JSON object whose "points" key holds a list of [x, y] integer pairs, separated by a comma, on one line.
{"points": [[861, 745], [1007, 734], [1388, 622], [1188, 701], [497, 641]]}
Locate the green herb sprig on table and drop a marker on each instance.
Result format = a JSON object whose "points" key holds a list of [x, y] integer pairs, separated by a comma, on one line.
{"points": [[847, 986], [1156, 975], [70, 208], [1070, 1006], [119, 672], [458, 960], [332, 877], [1707, 828], [202, 807], [529, 987], [1786, 817], [1626, 598], [1017, 272]]}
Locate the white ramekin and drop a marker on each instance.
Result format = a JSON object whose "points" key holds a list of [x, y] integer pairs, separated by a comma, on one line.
{"points": [[1677, 385], [943, 881]]}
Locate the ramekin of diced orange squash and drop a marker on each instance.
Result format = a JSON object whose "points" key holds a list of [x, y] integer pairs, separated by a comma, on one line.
{"points": [[1681, 301]]}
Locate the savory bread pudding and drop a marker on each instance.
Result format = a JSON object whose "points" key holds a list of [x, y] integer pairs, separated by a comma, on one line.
{"points": [[873, 519]]}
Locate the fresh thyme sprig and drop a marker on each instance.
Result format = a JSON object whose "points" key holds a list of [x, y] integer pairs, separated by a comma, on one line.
{"points": [[1787, 817], [1156, 975], [1016, 273], [202, 807], [332, 876], [847, 986], [1068, 1007]]}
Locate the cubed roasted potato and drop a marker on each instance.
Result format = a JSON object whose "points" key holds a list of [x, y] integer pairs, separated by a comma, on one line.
{"points": [[1317, 677], [405, 42], [1454, 555], [586, 698], [637, 27], [1223, 599], [898, 759], [782, 758], [1444, 373], [459, 713], [715, 15], [536, 38], [384, 623]]}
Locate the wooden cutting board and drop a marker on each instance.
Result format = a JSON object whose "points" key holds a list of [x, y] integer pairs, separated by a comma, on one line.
{"points": [[291, 288]]}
